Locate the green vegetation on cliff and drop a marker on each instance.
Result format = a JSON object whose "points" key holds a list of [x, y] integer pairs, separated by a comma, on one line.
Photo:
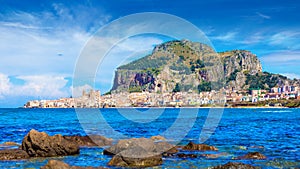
{"points": [[190, 66]]}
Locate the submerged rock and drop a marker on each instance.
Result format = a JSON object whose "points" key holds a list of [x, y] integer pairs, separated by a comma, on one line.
{"points": [[199, 147], [214, 155], [182, 155], [13, 154], [9, 143], [232, 165], [55, 164], [40, 144], [254, 155]]}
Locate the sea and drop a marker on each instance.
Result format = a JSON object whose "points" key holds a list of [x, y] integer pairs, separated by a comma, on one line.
{"points": [[274, 132]]}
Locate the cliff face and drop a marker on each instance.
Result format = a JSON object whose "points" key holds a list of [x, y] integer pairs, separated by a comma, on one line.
{"points": [[189, 65]]}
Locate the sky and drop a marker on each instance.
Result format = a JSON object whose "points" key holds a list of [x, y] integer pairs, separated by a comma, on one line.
{"points": [[40, 41]]}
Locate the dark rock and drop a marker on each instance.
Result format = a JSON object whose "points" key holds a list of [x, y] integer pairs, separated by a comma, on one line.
{"points": [[92, 140], [232, 165], [182, 155], [40, 144], [254, 155], [136, 157], [13, 154], [55, 164], [146, 144], [199, 147]]}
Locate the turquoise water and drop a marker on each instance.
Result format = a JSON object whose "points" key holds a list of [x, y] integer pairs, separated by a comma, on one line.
{"points": [[273, 132]]}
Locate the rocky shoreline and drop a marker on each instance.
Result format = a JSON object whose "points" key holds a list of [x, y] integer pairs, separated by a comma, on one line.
{"points": [[134, 152]]}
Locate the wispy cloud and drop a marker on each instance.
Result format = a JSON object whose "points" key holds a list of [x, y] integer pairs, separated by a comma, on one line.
{"points": [[282, 57], [229, 36], [291, 75], [263, 15], [284, 37]]}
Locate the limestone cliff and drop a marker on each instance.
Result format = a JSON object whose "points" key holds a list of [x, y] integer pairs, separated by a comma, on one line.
{"points": [[187, 66]]}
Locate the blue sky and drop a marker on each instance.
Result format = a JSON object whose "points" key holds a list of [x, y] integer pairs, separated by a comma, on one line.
{"points": [[41, 40]]}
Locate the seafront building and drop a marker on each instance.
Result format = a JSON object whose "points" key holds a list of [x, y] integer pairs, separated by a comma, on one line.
{"points": [[94, 99]]}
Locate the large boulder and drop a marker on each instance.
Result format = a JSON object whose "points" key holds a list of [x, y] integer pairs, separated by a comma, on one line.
{"points": [[232, 165], [138, 152], [93, 140], [55, 164], [136, 157], [13, 154], [165, 148], [146, 144], [253, 155], [199, 147], [40, 144]]}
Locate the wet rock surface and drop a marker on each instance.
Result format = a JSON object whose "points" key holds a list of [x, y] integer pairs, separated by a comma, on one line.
{"points": [[10, 143], [199, 147], [13, 154], [40, 144], [89, 141], [183, 155], [253, 155]]}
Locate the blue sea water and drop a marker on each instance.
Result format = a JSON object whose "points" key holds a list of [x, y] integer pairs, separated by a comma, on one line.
{"points": [[272, 132]]}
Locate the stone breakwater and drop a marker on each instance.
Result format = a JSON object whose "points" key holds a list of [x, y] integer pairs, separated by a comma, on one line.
{"points": [[135, 152]]}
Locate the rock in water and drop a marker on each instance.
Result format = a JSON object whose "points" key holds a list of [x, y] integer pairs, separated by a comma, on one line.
{"points": [[158, 138], [182, 155], [40, 144], [13, 154], [165, 148], [9, 143], [136, 152], [146, 144], [232, 165], [92, 140], [55, 164], [199, 147], [136, 157], [254, 155]]}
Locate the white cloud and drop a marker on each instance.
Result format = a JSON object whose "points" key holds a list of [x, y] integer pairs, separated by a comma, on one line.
{"points": [[4, 85], [41, 86]]}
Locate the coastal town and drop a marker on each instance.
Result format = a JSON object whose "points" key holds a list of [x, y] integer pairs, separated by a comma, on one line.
{"points": [[222, 98]]}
